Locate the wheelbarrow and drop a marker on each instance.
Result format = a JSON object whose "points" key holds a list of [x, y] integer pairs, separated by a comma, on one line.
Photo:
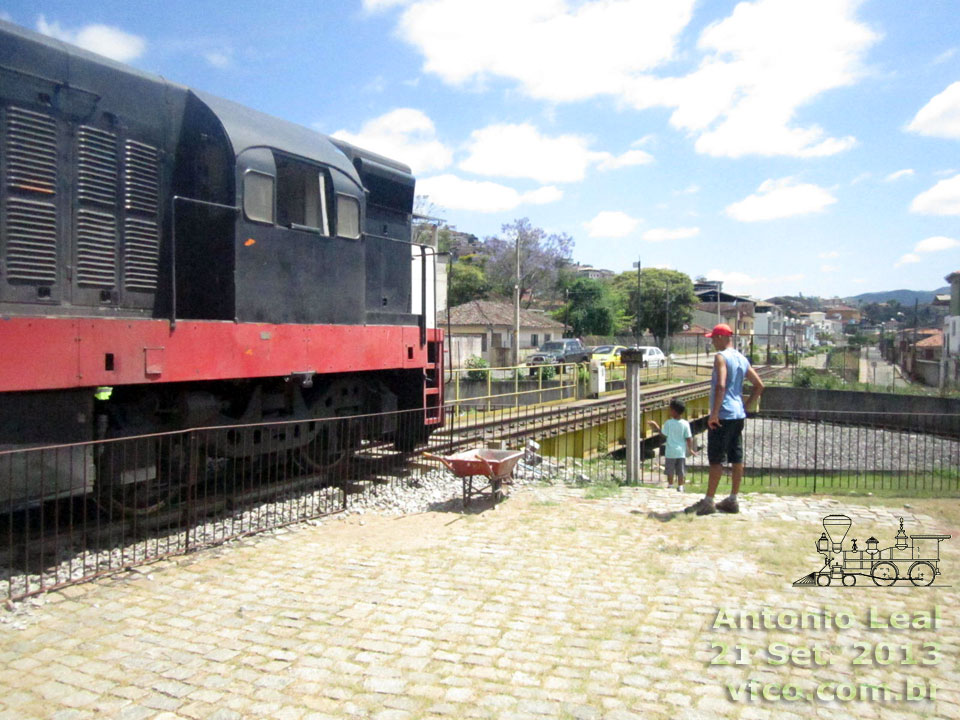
{"points": [[496, 465]]}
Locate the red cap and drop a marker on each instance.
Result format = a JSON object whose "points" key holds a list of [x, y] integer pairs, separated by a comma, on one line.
{"points": [[721, 329]]}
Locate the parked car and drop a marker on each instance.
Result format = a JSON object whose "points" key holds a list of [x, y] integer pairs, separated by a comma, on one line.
{"points": [[652, 356], [609, 355], [559, 351]]}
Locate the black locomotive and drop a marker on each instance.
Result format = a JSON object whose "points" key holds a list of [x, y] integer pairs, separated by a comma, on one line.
{"points": [[170, 259]]}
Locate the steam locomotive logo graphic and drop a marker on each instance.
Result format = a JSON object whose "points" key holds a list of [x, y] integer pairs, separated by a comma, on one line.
{"points": [[915, 558]]}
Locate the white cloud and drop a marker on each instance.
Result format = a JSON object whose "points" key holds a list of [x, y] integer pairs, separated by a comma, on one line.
{"points": [[860, 178], [944, 173], [906, 172], [611, 224], [521, 151], [759, 66], [756, 68], [454, 193], [779, 199], [906, 259], [942, 199], [944, 56], [631, 157], [829, 268], [218, 58], [542, 195], [689, 190], [941, 116], [105, 40], [378, 5], [830, 254], [404, 134], [734, 280], [661, 234], [555, 50], [936, 244]]}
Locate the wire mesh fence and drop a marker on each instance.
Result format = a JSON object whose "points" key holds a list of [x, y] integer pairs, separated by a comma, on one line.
{"points": [[74, 512]]}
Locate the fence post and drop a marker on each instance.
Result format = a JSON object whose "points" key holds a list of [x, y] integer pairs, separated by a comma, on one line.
{"points": [[816, 452], [489, 387], [516, 386], [192, 482]]}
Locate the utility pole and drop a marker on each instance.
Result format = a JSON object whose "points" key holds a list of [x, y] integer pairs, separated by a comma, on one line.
{"points": [[516, 309], [666, 339], [718, 284]]}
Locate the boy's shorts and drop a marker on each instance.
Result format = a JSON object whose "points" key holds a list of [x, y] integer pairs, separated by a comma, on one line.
{"points": [[725, 443], [675, 466]]}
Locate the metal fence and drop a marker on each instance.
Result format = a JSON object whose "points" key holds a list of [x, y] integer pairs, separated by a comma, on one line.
{"points": [[74, 512], [515, 386]]}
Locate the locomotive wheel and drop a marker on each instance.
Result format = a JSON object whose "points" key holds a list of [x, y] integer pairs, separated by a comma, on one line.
{"points": [[823, 580], [849, 580], [922, 573], [884, 574], [126, 485], [332, 447]]}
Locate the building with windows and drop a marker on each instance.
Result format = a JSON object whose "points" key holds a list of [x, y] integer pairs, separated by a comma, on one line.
{"points": [[485, 328], [769, 325], [586, 271]]}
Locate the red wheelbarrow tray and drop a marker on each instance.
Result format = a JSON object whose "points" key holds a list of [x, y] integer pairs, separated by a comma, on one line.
{"points": [[497, 465]]}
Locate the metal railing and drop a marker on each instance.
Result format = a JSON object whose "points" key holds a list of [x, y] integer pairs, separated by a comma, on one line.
{"points": [[70, 513], [515, 385], [518, 386]]}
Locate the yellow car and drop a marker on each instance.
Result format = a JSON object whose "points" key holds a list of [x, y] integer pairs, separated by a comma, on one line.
{"points": [[609, 355]]}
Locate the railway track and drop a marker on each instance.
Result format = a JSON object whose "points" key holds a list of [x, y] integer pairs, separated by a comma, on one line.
{"points": [[518, 423]]}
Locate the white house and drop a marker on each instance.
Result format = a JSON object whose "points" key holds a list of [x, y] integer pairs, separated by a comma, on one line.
{"points": [[950, 356], [769, 324], [485, 328]]}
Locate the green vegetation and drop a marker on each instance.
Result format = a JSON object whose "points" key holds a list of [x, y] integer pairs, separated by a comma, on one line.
{"points": [[478, 374], [545, 372], [592, 308]]}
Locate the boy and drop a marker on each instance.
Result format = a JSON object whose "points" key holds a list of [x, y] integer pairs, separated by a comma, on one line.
{"points": [[679, 442]]}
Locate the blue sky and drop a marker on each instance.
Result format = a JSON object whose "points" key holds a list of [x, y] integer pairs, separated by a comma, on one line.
{"points": [[782, 146]]}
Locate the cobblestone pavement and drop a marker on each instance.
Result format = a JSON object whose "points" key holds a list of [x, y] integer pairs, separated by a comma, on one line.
{"points": [[550, 605]]}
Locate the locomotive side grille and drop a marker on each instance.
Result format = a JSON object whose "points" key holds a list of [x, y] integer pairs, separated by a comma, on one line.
{"points": [[140, 251], [31, 151], [31, 241], [96, 249], [141, 178], [97, 167]]}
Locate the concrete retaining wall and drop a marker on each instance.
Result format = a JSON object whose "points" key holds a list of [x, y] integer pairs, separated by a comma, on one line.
{"points": [[907, 412]]}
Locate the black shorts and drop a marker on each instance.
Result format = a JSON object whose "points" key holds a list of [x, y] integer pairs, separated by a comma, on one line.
{"points": [[725, 443]]}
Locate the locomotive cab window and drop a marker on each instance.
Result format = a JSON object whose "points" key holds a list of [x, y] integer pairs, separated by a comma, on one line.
{"points": [[258, 196], [348, 217], [301, 196]]}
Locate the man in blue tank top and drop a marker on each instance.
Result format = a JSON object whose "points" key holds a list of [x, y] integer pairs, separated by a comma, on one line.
{"points": [[725, 424]]}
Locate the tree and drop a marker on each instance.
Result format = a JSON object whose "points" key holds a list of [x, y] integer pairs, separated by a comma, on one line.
{"points": [[591, 308], [666, 298], [467, 282], [542, 258]]}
